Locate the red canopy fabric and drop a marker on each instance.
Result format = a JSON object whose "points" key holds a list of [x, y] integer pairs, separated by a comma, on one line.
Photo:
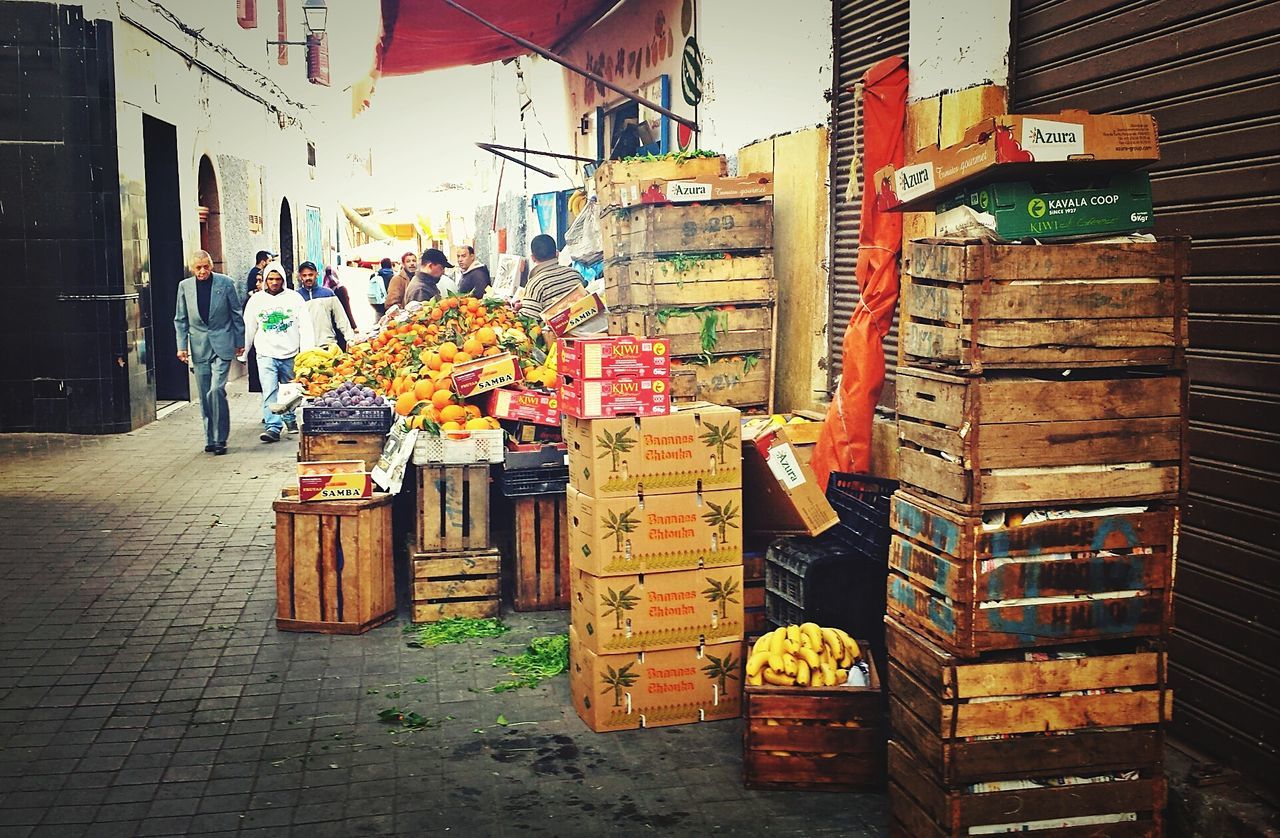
{"points": [[845, 441], [422, 35]]}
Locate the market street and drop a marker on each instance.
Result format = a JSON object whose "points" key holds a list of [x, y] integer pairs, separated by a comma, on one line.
{"points": [[144, 688]]}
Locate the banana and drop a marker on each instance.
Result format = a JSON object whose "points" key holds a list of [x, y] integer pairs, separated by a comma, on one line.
{"points": [[830, 674], [778, 679], [810, 657], [802, 673], [789, 647], [779, 634], [789, 664], [775, 660], [813, 632], [842, 675], [762, 644], [793, 634], [756, 662], [755, 680], [831, 639]]}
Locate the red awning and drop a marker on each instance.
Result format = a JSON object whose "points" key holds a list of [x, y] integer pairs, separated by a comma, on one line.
{"points": [[422, 35]]}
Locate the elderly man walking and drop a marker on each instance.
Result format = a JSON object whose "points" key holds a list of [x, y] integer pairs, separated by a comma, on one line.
{"points": [[210, 331]]}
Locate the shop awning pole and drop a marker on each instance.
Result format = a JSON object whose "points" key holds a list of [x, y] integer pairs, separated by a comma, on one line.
{"points": [[568, 65]]}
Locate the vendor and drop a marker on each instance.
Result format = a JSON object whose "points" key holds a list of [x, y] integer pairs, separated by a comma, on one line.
{"points": [[426, 284]]}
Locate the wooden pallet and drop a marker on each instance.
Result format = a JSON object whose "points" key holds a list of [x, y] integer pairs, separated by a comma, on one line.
{"points": [[985, 442], [649, 230], [969, 306], [541, 553], [738, 331], [940, 707], [456, 584], [724, 381], [815, 738], [333, 565], [975, 589], [341, 446], [920, 807], [453, 508], [655, 283]]}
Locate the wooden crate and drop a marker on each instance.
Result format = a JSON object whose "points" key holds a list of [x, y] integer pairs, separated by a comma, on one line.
{"points": [[970, 306], [920, 807], [1006, 718], [973, 589], [453, 508], [820, 738], [755, 620], [737, 331], [650, 230], [663, 283], [615, 175], [541, 553], [333, 565], [457, 584], [341, 446], [724, 381], [974, 443]]}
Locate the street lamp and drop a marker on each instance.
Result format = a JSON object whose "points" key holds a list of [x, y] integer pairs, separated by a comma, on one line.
{"points": [[315, 17], [315, 14]]}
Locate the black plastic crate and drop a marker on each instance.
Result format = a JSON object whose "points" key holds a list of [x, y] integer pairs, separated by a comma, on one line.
{"points": [[862, 502], [518, 483], [346, 420], [779, 612]]}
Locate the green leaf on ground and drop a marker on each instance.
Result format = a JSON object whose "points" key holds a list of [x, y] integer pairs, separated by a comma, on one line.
{"points": [[545, 658], [455, 630]]}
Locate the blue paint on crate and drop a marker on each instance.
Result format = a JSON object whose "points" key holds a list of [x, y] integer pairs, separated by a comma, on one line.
{"points": [[933, 529], [1097, 617], [914, 602]]}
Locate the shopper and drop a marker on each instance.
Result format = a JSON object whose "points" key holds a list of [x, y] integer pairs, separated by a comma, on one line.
{"points": [[398, 283], [278, 326], [377, 294], [344, 297], [328, 320], [426, 284], [253, 283], [473, 276], [548, 280], [210, 332]]}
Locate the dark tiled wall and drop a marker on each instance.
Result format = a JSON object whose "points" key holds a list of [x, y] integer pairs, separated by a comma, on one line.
{"points": [[71, 322]]}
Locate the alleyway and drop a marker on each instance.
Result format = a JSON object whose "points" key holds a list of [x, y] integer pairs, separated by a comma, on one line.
{"points": [[144, 689]]}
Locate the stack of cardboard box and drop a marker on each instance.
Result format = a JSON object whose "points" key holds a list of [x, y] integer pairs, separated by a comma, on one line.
{"points": [[655, 544]]}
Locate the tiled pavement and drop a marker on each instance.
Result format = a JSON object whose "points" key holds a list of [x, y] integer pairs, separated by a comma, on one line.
{"points": [[144, 689]]}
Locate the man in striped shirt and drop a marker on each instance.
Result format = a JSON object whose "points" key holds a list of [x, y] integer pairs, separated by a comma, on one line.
{"points": [[549, 280]]}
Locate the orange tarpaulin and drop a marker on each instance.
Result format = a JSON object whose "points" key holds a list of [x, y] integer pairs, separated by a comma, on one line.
{"points": [[845, 442]]}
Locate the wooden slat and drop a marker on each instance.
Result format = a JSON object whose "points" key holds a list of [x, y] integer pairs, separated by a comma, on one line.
{"points": [[466, 588], [430, 612], [329, 569], [454, 503], [548, 554], [353, 570], [814, 739], [947, 259], [307, 548], [467, 562], [284, 565], [1154, 482], [526, 535]]}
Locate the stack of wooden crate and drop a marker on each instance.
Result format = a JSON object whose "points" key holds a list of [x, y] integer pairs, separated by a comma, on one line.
{"points": [[1042, 410], [698, 273], [456, 570]]}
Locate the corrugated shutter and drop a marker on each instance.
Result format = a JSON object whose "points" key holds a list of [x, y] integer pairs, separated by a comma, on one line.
{"points": [[865, 31], [1210, 72]]}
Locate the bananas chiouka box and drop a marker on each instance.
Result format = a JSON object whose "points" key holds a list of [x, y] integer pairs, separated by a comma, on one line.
{"points": [[656, 688]]}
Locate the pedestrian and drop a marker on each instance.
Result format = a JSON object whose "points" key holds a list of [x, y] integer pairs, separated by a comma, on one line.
{"points": [[344, 297], [548, 280], [253, 283], [210, 332], [398, 283], [473, 276], [278, 326], [377, 294], [328, 320], [426, 284]]}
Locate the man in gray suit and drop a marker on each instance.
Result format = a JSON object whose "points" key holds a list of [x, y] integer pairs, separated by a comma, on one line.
{"points": [[210, 330]]}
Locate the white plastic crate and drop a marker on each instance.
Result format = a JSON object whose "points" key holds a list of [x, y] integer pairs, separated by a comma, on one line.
{"points": [[460, 447]]}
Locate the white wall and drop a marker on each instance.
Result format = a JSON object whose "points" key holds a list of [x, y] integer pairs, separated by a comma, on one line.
{"points": [[955, 46]]}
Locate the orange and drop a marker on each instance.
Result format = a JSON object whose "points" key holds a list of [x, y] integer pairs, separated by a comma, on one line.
{"points": [[441, 398], [432, 415], [462, 357], [433, 361], [477, 424], [446, 369], [451, 426], [472, 346], [405, 404], [472, 411], [424, 388], [453, 413], [493, 423], [492, 350], [486, 336], [447, 350]]}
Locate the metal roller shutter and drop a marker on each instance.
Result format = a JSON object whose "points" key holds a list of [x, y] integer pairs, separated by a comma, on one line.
{"points": [[865, 31], [1210, 72]]}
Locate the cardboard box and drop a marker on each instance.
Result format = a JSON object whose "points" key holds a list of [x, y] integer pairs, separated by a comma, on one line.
{"points": [[1015, 146], [333, 480], [700, 445], [613, 536], [657, 610], [615, 356], [655, 689], [1018, 209], [780, 492], [686, 190], [480, 375], [576, 311], [614, 397], [535, 406]]}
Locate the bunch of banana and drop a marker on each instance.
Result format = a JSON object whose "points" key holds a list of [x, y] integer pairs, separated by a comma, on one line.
{"points": [[312, 360], [577, 203], [806, 655]]}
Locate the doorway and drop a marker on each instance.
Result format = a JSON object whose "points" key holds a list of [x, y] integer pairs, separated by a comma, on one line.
{"points": [[286, 240], [168, 265], [210, 213]]}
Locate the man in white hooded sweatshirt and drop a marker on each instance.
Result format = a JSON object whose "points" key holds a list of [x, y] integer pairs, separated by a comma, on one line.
{"points": [[277, 325]]}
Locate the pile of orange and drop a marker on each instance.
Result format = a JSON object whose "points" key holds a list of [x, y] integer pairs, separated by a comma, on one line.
{"points": [[411, 361]]}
